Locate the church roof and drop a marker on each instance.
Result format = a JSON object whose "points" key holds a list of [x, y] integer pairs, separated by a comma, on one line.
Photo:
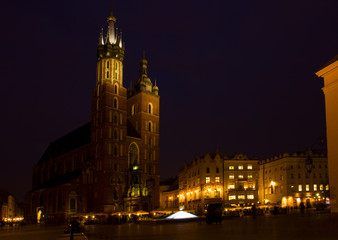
{"points": [[59, 180], [73, 140], [131, 131]]}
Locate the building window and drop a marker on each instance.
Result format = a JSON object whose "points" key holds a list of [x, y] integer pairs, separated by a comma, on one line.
{"points": [[240, 176], [249, 176], [299, 176], [150, 108], [115, 88], [251, 196], [315, 187], [241, 196], [115, 103], [217, 170], [107, 64], [72, 204], [149, 126], [208, 170], [321, 187], [300, 188], [207, 180], [107, 74], [116, 137], [327, 187], [231, 176], [307, 187], [115, 118], [232, 197], [217, 179], [240, 167], [250, 167], [291, 176], [231, 186], [133, 111], [231, 167]]}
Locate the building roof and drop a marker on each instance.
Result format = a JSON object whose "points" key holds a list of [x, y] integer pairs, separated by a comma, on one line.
{"points": [[73, 140], [59, 180], [131, 131]]}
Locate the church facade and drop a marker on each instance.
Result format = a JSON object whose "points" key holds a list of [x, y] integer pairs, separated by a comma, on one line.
{"points": [[112, 163]]}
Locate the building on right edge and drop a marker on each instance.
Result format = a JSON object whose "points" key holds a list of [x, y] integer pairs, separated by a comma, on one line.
{"points": [[330, 74], [289, 179]]}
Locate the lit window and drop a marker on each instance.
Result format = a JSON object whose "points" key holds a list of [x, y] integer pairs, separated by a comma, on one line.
{"points": [[207, 180], [217, 179], [240, 176], [240, 167], [250, 166], [249, 176], [307, 187], [314, 187], [241, 196], [231, 186], [133, 111], [250, 196], [327, 187], [231, 168], [300, 188], [232, 197], [321, 187], [231, 176]]}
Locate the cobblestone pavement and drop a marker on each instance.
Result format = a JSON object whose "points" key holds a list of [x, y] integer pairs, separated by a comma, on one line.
{"points": [[307, 226]]}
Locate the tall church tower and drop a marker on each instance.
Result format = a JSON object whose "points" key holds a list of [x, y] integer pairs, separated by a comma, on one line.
{"points": [[124, 133], [109, 122]]}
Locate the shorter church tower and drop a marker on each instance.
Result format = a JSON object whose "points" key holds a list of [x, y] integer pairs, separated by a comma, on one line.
{"points": [[143, 116]]}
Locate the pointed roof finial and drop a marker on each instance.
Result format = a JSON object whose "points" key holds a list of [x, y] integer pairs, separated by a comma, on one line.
{"points": [[111, 17]]}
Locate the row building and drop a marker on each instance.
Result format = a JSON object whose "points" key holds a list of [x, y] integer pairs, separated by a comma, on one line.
{"points": [[112, 163], [285, 180]]}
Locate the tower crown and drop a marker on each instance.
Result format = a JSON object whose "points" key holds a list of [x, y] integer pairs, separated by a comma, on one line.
{"points": [[110, 46]]}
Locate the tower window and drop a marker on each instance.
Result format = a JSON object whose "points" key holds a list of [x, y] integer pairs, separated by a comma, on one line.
{"points": [[115, 103], [115, 88], [107, 74], [149, 126], [116, 134], [133, 111], [150, 108], [108, 64]]}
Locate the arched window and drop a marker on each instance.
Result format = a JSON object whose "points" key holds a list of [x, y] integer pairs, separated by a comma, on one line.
{"points": [[72, 204], [150, 108], [116, 105], [107, 64], [115, 88], [116, 134], [133, 154], [149, 126], [107, 74], [115, 118], [116, 151], [133, 110]]}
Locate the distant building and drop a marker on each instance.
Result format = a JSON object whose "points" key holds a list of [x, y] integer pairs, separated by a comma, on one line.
{"points": [[169, 194], [9, 208], [112, 163], [290, 179], [330, 74], [240, 180], [218, 178]]}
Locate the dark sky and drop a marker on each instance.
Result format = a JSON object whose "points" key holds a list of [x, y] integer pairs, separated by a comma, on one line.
{"points": [[236, 75]]}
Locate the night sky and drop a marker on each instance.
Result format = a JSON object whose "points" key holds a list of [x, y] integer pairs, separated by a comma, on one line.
{"points": [[235, 75]]}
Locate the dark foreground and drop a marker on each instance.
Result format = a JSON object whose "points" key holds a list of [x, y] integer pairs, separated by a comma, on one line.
{"points": [[284, 227]]}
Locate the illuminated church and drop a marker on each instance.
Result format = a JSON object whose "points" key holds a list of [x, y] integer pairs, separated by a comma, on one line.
{"points": [[112, 163]]}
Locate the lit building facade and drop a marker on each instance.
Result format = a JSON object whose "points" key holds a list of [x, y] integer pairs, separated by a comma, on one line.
{"points": [[330, 74], [240, 180], [218, 178], [112, 163], [289, 179]]}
